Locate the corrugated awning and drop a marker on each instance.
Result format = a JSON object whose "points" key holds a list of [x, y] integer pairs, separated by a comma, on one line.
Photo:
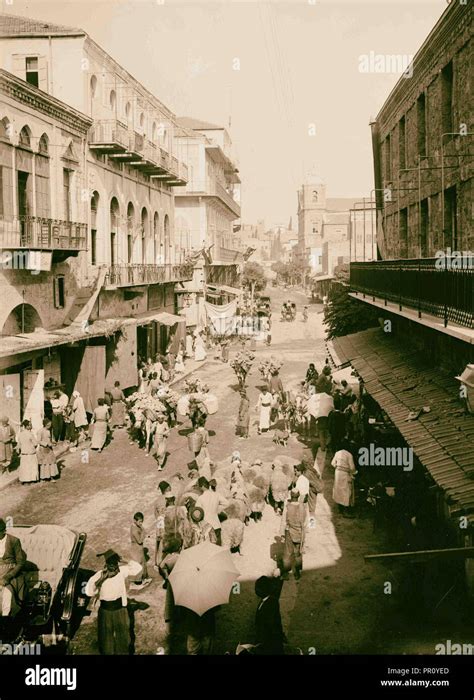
{"points": [[399, 379]]}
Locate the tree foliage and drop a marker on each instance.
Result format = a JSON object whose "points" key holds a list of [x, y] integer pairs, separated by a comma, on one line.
{"points": [[291, 272], [344, 315], [253, 277]]}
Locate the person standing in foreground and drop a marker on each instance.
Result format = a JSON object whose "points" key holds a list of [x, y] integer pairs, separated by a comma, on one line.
{"points": [[211, 502], [117, 418], [46, 457], [137, 537], [109, 587], [160, 440], [292, 530], [7, 438], [27, 445], [343, 491], [243, 418], [268, 627], [265, 405], [12, 561], [100, 419], [58, 404]]}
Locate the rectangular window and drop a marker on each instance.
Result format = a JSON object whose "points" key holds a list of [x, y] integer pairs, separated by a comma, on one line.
{"points": [[59, 292], [67, 194], [401, 144], [421, 124], [93, 247], [450, 218], [403, 243], [447, 120], [424, 223], [388, 158], [32, 72]]}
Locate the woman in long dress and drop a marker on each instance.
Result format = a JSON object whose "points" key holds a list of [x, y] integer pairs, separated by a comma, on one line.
{"points": [[100, 419], [265, 405], [160, 440], [243, 418], [27, 444], [79, 412], [343, 490], [117, 418], [199, 348], [46, 457], [142, 379], [7, 438]]}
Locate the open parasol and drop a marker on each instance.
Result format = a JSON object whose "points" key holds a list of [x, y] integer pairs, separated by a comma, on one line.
{"points": [[202, 577]]}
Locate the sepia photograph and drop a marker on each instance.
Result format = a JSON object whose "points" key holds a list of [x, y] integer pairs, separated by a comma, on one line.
{"points": [[236, 340]]}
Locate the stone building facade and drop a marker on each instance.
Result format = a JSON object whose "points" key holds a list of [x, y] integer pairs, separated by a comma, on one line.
{"points": [[423, 147], [88, 175]]}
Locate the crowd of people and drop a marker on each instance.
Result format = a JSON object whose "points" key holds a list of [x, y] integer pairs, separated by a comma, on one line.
{"points": [[212, 502]]}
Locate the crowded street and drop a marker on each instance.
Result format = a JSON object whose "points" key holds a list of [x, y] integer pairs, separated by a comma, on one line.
{"points": [[100, 497]]}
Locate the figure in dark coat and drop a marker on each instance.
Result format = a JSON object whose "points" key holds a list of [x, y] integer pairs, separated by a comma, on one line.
{"points": [[12, 561], [268, 627]]}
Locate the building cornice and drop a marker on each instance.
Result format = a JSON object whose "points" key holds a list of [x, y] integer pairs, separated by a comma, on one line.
{"points": [[451, 32], [27, 94]]}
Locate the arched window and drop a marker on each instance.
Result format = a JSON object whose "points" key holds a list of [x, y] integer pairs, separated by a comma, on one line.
{"points": [[43, 146], [25, 137], [5, 129], [114, 225], [153, 132], [142, 121], [128, 109], [93, 86], [130, 226], [144, 221], [167, 241], [93, 241], [156, 243], [112, 99]]}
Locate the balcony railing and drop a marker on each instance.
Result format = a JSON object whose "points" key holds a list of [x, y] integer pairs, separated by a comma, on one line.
{"points": [[430, 285], [37, 233], [131, 274], [212, 189], [109, 136]]}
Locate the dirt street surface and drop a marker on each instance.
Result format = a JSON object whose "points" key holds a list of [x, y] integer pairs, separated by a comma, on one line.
{"points": [[339, 603]]}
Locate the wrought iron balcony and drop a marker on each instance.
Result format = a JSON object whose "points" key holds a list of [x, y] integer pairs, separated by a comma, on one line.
{"points": [[109, 136], [38, 233], [424, 284], [133, 274]]}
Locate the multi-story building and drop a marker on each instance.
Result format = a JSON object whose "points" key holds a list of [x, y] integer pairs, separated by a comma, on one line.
{"points": [[423, 147], [311, 206], [86, 195], [207, 209], [416, 365], [332, 230]]}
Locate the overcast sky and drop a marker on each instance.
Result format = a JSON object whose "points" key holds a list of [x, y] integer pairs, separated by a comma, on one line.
{"points": [[299, 67]]}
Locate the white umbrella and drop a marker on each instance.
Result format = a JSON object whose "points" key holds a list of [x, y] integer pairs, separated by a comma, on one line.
{"points": [[202, 577]]}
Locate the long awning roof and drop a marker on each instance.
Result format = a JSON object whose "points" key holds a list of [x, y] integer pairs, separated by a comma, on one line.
{"points": [[41, 339], [398, 378]]}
